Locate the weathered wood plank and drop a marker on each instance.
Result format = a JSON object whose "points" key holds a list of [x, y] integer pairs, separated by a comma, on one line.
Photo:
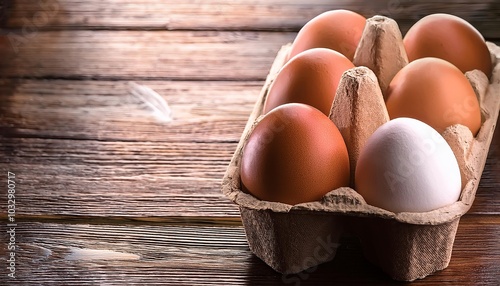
{"points": [[202, 55], [86, 254], [278, 15], [106, 111], [122, 189]]}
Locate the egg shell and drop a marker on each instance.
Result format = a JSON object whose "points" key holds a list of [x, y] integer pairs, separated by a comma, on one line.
{"points": [[311, 77], [407, 246], [450, 38], [294, 154], [407, 166], [436, 92], [339, 30]]}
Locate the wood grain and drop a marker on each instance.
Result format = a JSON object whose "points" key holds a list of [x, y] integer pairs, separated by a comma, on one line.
{"points": [[106, 111], [92, 191], [57, 254], [277, 15], [160, 55]]}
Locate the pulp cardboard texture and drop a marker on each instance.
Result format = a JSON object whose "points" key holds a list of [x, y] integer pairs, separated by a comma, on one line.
{"points": [[381, 49], [407, 246], [357, 93]]}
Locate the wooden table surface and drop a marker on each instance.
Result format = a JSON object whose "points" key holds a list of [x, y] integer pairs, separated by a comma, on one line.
{"points": [[106, 194]]}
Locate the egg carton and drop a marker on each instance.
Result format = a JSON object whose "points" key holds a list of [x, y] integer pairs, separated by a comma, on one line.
{"points": [[407, 246]]}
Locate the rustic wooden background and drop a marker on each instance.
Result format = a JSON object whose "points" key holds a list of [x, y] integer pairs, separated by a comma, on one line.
{"points": [[109, 195]]}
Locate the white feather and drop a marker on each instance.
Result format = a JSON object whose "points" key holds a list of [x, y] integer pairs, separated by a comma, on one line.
{"points": [[155, 101]]}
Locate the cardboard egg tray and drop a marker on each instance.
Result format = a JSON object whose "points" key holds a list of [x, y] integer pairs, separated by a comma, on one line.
{"points": [[407, 246]]}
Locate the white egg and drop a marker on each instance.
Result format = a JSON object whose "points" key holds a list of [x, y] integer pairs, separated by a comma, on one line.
{"points": [[407, 166]]}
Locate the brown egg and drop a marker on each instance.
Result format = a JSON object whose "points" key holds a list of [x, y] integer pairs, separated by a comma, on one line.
{"points": [[436, 92], [312, 77], [450, 38], [295, 154], [338, 30]]}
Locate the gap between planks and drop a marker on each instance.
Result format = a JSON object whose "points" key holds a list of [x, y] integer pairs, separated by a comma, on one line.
{"points": [[179, 221], [202, 221]]}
